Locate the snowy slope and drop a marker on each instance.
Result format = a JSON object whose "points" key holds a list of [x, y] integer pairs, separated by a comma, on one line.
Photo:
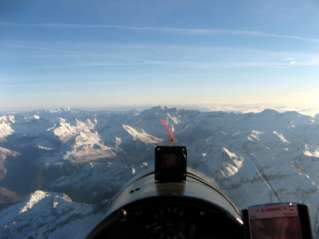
{"points": [[6, 126], [232, 164], [4, 154], [47, 215], [141, 135], [66, 131], [88, 146]]}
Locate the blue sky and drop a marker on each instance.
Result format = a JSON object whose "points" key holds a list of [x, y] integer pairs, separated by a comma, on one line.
{"points": [[85, 53]]}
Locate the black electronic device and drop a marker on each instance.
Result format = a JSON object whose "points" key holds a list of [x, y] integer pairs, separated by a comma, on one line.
{"points": [[170, 163], [277, 221]]}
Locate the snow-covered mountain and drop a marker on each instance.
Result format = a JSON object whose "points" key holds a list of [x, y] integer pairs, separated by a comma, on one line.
{"points": [[4, 154], [254, 157], [5, 126], [48, 215]]}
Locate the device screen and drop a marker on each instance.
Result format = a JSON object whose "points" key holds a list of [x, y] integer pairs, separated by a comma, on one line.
{"points": [[169, 160], [274, 222]]}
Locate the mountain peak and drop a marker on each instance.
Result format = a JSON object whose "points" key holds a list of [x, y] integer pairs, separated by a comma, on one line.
{"points": [[270, 112], [34, 199]]}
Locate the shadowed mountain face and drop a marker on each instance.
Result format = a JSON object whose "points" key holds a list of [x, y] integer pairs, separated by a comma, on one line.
{"points": [[254, 157], [8, 198]]}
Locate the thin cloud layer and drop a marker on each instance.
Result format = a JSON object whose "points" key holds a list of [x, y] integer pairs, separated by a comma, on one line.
{"points": [[167, 30]]}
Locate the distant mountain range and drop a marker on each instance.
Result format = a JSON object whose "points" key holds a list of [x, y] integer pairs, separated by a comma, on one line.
{"points": [[59, 168]]}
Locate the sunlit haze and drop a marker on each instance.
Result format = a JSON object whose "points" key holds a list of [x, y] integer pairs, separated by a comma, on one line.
{"points": [[134, 53]]}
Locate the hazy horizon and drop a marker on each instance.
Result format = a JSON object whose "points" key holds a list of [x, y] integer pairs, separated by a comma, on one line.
{"points": [[243, 108]]}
